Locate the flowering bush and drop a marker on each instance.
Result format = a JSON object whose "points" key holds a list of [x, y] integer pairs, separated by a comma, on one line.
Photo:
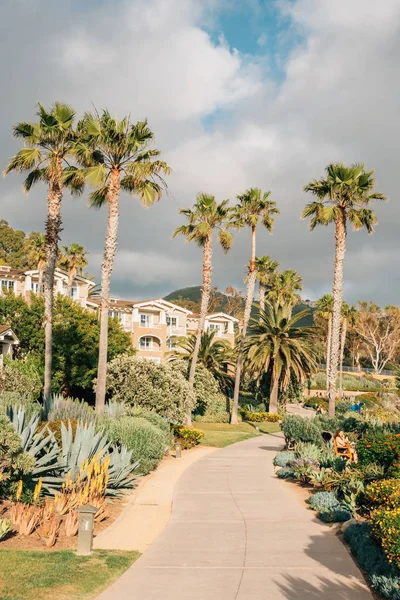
{"points": [[303, 467], [379, 447], [385, 493], [187, 436], [386, 529], [259, 417]]}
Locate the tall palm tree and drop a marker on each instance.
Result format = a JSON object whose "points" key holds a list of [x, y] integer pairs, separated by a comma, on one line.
{"points": [[215, 355], [205, 217], [348, 318], [266, 267], [114, 155], [48, 144], [37, 255], [73, 259], [283, 288], [276, 345], [253, 206], [343, 195], [324, 313]]}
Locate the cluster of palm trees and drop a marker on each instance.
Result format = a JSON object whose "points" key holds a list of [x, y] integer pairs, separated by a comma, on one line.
{"points": [[113, 156], [108, 155]]}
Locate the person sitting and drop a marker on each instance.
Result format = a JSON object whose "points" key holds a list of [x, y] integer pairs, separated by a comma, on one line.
{"points": [[344, 447]]}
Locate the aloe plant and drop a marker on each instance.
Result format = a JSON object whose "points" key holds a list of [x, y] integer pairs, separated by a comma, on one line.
{"points": [[5, 527], [121, 471]]}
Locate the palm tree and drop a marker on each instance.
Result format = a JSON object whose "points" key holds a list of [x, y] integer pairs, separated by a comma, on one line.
{"points": [[283, 288], [276, 345], [266, 267], [343, 195], [114, 156], [37, 255], [73, 259], [215, 355], [205, 217], [324, 312], [348, 317], [253, 206], [48, 144]]}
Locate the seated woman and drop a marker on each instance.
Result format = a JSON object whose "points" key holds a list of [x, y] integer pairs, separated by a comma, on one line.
{"points": [[344, 446]]}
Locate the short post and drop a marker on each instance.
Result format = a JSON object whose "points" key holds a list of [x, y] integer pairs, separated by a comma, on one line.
{"points": [[85, 529], [178, 448], [257, 428]]}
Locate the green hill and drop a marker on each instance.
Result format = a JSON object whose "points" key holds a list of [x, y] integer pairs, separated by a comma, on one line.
{"points": [[189, 298]]}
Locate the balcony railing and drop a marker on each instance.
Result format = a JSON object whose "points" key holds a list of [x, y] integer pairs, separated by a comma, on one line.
{"points": [[176, 330]]}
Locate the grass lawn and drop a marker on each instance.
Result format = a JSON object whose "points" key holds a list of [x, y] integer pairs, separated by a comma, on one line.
{"points": [[59, 575], [223, 434]]}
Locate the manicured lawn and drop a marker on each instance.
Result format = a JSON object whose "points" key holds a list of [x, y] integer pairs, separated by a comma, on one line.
{"points": [[59, 575], [223, 434]]}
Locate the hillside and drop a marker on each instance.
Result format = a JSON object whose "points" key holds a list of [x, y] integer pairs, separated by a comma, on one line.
{"points": [[189, 298]]}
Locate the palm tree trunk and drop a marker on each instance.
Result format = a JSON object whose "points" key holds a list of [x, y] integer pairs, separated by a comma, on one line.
{"points": [[69, 283], [262, 296], [273, 396], [328, 351], [251, 283], [110, 249], [337, 292], [40, 282], [53, 228], [342, 345], [205, 300]]}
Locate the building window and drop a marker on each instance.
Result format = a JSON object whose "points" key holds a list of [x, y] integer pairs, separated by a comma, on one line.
{"points": [[146, 343], [171, 343], [35, 287], [172, 322], [146, 320], [116, 314], [6, 284], [74, 292], [213, 326]]}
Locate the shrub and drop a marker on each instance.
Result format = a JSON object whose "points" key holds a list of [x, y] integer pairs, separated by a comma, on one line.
{"points": [[380, 448], [324, 501], [187, 436], [156, 420], [285, 473], [217, 411], [303, 467], [55, 427], [145, 440], [386, 529], [154, 387], [336, 515], [384, 577], [17, 400], [299, 429], [5, 528], [259, 417], [22, 377], [206, 388], [308, 450], [14, 462], [58, 408], [385, 493], [283, 458]]}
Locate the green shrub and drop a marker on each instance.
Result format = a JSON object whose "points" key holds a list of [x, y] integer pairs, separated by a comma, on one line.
{"points": [[22, 377], [300, 429], [303, 468], [14, 462], [145, 440], [58, 408], [285, 473], [259, 417], [384, 577], [283, 458], [379, 447], [5, 528], [350, 383], [16, 400], [156, 420], [187, 436], [155, 387], [308, 450], [324, 501], [336, 515], [386, 529], [385, 493], [217, 411]]}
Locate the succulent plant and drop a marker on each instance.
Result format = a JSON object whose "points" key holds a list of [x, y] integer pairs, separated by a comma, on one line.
{"points": [[5, 527]]}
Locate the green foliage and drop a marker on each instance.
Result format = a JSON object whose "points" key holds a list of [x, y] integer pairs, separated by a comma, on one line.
{"points": [[282, 459], [259, 417], [379, 447], [350, 384], [58, 408], [15, 247], [299, 429], [14, 462], [304, 468], [206, 387], [145, 441], [22, 377], [55, 428], [187, 436], [5, 528], [385, 493], [308, 450], [151, 386], [16, 400], [324, 501], [285, 473], [336, 515], [384, 577], [156, 419]]}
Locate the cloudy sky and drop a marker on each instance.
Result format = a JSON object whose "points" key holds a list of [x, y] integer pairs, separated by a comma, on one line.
{"points": [[261, 93]]}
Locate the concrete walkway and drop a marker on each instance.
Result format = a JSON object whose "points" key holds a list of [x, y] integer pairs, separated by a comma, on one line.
{"points": [[238, 533]]}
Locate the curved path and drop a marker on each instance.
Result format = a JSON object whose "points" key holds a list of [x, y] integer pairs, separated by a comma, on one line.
{"points": [[238, 533]]}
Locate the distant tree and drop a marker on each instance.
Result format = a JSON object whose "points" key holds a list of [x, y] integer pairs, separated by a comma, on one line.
{"points": [[206, 217], [187, 303], [266, 268], [12, 246], [283, 287], [323, 314], [253, 206], [379, 331], [276, 345], [73, 259], [343, 196], [234, 302]]}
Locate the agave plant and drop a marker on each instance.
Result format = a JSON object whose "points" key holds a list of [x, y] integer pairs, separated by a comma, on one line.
{"points": [[42, 446], [58, 408], [120, 471], [5, 527], [114, 409]]}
